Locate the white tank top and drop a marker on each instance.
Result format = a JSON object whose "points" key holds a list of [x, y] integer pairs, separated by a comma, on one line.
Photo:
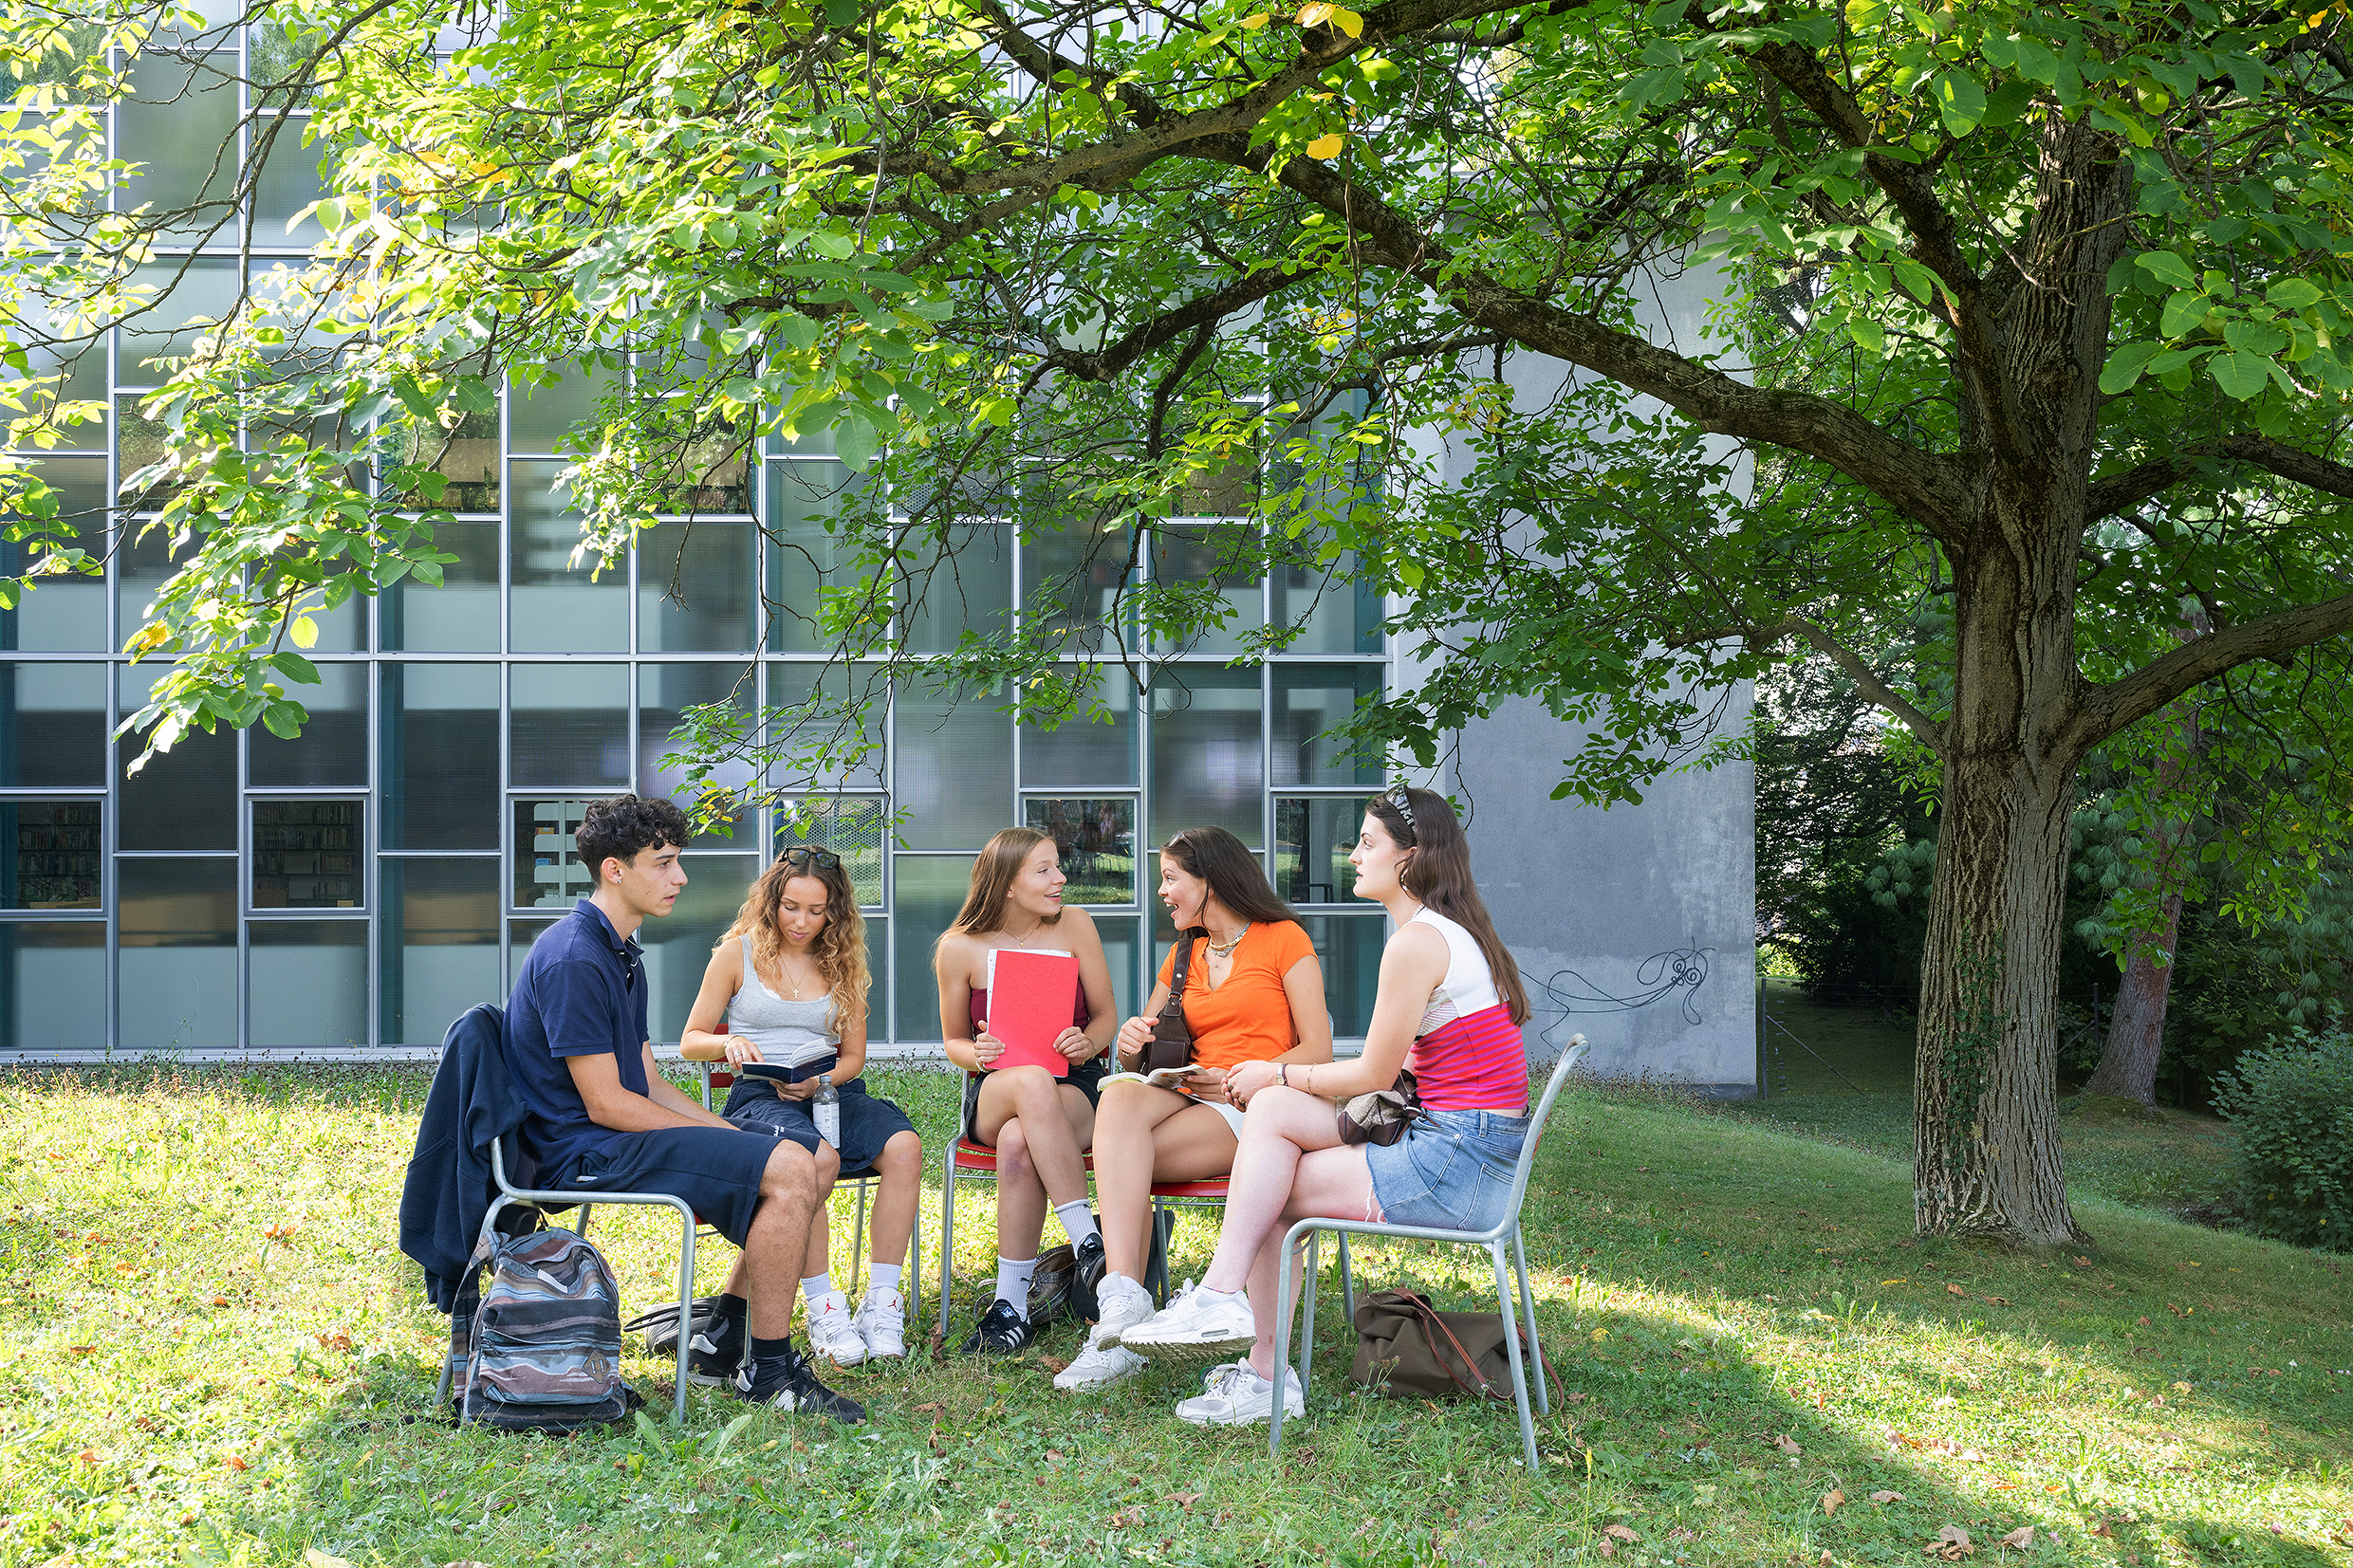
{"points": [[1469, 987], [790, 1033]]}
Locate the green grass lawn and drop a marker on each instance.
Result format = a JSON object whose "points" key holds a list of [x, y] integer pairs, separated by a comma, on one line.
{"points": [[210, 1351]]}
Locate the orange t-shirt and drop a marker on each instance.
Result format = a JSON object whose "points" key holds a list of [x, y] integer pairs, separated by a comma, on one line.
{"points": [[1249, 1018]]}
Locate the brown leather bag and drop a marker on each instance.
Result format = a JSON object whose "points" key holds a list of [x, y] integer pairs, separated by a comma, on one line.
{"points": [[1406, 1346], [1171, 1038]]}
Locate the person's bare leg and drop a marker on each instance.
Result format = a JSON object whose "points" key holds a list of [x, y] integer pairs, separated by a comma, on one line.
{"points": [[901, 1194], [1332, 1182], [778, 1239], [819, 1258], [1129, 1126], [1020, 1198], [1283, 1125]]}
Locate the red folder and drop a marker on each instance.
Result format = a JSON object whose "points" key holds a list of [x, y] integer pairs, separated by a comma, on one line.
{"points": [[1032, 997]]}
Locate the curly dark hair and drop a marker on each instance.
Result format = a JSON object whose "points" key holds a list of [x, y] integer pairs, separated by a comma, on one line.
{"points": [[624, 827]]}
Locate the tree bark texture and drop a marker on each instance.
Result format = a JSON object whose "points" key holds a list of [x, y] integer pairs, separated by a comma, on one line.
{"points": [[2137, 1032]]}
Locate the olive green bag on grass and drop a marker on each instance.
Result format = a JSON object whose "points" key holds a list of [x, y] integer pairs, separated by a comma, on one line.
{"points": [[1406, 1346]]}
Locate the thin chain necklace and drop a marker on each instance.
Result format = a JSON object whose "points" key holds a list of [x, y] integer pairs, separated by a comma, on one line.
{"points": [[1024, 941], [785, 970], [1223, 950]]}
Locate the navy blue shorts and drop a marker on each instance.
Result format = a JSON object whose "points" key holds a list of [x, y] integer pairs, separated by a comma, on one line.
{"points": [[716, 1170], [867, 1122]]}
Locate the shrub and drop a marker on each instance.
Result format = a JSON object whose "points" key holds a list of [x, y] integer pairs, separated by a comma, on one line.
{"points": [[2293, 1103]]}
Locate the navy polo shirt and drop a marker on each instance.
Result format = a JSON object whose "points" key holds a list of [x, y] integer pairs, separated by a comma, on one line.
{"points": [[582, 990]]}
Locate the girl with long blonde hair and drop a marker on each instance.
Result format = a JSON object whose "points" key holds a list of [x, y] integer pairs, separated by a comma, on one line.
{"points": [[789, 979]]}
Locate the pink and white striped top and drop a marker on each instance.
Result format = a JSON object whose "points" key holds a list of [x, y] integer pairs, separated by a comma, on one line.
{"points": [[1468, 1054]]}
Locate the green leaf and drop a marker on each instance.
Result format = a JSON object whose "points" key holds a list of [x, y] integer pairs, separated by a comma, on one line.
{"points": [[2294, 293], [1959, 99], [2168, 268], [854, 440], [293, 667], [2242, 376], [2183, 312], [285, 720], [2125, 365], [1868, 335], [2010, 103]]}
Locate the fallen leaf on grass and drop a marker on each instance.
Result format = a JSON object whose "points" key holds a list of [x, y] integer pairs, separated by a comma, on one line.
{"points": [[934, 1410], [1052, 1363], [1831, 1499], [1186, 1501], [237, 1462], [1132, 1514], [1787, 1446], [1887, 1496], [1621, 1532], [1955, 1290], [2083, 1262], [280, 1231], [1997, 1301], [1950, 1546], [335, 1338], [88, 1456], [1576, 1398], [220, 1300], [2022, 1537], [80, 1350], [1609, 1548]]}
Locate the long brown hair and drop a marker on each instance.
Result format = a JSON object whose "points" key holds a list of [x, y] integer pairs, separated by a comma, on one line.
{"points": [[999, 862], [1234, 877], [840, 948], [1438, 871]]}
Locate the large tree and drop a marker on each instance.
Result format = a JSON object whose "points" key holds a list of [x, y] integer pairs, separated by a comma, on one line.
{"points": [[2032, 325]]}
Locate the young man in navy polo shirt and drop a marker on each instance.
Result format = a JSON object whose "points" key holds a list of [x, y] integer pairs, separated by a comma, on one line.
{"points": [[601, 1117]]}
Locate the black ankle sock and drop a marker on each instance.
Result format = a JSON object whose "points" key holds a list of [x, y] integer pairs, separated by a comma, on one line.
{"points": [[763, 1350], [733, 1309]]}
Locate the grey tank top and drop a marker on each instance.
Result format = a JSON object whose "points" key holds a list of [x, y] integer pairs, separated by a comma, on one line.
{"points": [[790, 1033]]}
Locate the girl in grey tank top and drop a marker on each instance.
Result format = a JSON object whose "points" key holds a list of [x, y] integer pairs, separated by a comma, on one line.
{"points": [[790, 1033]]}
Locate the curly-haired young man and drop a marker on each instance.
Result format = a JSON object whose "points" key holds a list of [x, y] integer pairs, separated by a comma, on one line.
{"points": [[602, 1118]]}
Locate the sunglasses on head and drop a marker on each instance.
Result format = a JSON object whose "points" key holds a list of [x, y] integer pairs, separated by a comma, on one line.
{"points": [[824, 859], [1396, 796]]}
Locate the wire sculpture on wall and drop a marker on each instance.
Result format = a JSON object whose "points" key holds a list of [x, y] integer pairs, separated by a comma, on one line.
{"points": [[1658, 977]]}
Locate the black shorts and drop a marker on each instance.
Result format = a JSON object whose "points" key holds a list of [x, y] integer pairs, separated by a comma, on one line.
{"points": [[868, 1123], [1086, 1076], [716, 1170]]}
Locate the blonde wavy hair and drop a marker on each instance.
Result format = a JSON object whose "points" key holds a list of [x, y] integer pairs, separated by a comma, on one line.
{"points": [[840, 945]]}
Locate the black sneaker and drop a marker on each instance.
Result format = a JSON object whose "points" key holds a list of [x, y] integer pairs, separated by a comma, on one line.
{"points": [[1087, 1273], [716, 1353], [787, 1382], [1000, 1332]]}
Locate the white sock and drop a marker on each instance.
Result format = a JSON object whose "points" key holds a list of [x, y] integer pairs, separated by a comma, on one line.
{"points": [[1013, 1282], [1221, 1294], [1075, 1220], [817, 1284], [1116, 1284], [885, 1277]]}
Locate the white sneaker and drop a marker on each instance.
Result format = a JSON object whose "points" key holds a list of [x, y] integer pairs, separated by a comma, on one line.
{"points": [[881, 1323], [1233, 1395], [832, 1335], [1199, 1325], [1124, 1303]]}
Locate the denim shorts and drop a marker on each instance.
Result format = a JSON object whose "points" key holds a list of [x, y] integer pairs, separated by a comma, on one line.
{"points": [[1451, 1173]]}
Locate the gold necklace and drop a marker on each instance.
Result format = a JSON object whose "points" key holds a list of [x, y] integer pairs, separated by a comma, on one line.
{"points": [[1224, 950]]}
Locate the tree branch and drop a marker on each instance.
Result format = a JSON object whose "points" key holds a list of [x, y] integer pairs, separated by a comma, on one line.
{"points": [[1866, 679], [2104, 710], [2122, 491]]}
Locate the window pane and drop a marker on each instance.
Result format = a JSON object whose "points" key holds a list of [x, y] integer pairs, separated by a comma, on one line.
{"points": [[62, 615], [1086, 753], [306, 854], [1118, 939], [459, 617], [467, 457], [50, 854], [440, 759], [955, 768], [1310, 701], [306, 981], [664, 693], [854, 827], [930, 890], [441, 953], [333, 746], [548, 873], [557, 609], [52, 986], [184, 291], [52, 725], [695, 589], [802, 556], [1225, 555], [142, 564], [1312, 838], [1097, 839], [288, 182], [1349, 946], [520, 935], [571, 724], [1207, 770], [178, 987], [180, 124], [1339, 616], [184, 798], [971, 586], [1071, 582], [812, 703], [538, 418], [678, 946]]}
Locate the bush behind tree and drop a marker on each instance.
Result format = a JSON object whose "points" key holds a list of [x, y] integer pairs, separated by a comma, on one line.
{"points": [[2292, 1102]]}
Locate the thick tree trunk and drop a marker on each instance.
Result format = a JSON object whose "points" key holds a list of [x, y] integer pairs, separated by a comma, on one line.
{"points": [[2137, 1032]]}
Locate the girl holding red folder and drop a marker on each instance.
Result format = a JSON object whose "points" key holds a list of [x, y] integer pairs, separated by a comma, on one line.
{"points": [[1039, 1124]]}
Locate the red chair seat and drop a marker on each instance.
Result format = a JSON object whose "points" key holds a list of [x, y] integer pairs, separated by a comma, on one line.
{"points": [[1213, 1188]]}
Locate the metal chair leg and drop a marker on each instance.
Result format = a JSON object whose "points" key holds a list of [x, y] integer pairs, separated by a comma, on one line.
{"points": [[579, 1226], [857, 1250], [686, 1308], [1348, 1281], [1512, 1349], [1282, 1345], [1527, 1310], [947, 1236], [1306, 1319]]}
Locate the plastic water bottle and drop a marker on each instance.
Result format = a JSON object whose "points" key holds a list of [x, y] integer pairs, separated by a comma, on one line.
{"points": [[825, 1110]]}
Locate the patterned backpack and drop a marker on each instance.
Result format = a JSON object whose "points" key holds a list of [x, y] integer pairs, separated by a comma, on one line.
{"points": [[545, 1352]]}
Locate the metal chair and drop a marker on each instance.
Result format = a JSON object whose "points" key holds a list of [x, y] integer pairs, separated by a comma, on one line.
{"points": [[1210, 1193], [971, 1160], [1506, 1230], [544, 1201], [865, 1179]]}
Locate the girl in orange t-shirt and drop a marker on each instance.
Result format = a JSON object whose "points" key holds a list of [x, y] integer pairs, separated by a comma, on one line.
{"points": [[1253, 992]]}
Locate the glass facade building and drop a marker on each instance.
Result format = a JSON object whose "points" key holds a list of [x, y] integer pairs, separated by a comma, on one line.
{"points": [[358, 888]]}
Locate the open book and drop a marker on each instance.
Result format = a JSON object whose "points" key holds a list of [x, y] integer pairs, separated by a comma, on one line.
{"points": [[1168, 1078]]}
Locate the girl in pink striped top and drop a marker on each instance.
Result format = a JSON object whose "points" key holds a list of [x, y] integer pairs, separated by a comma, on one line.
{"points": [[1449, 1007]]}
